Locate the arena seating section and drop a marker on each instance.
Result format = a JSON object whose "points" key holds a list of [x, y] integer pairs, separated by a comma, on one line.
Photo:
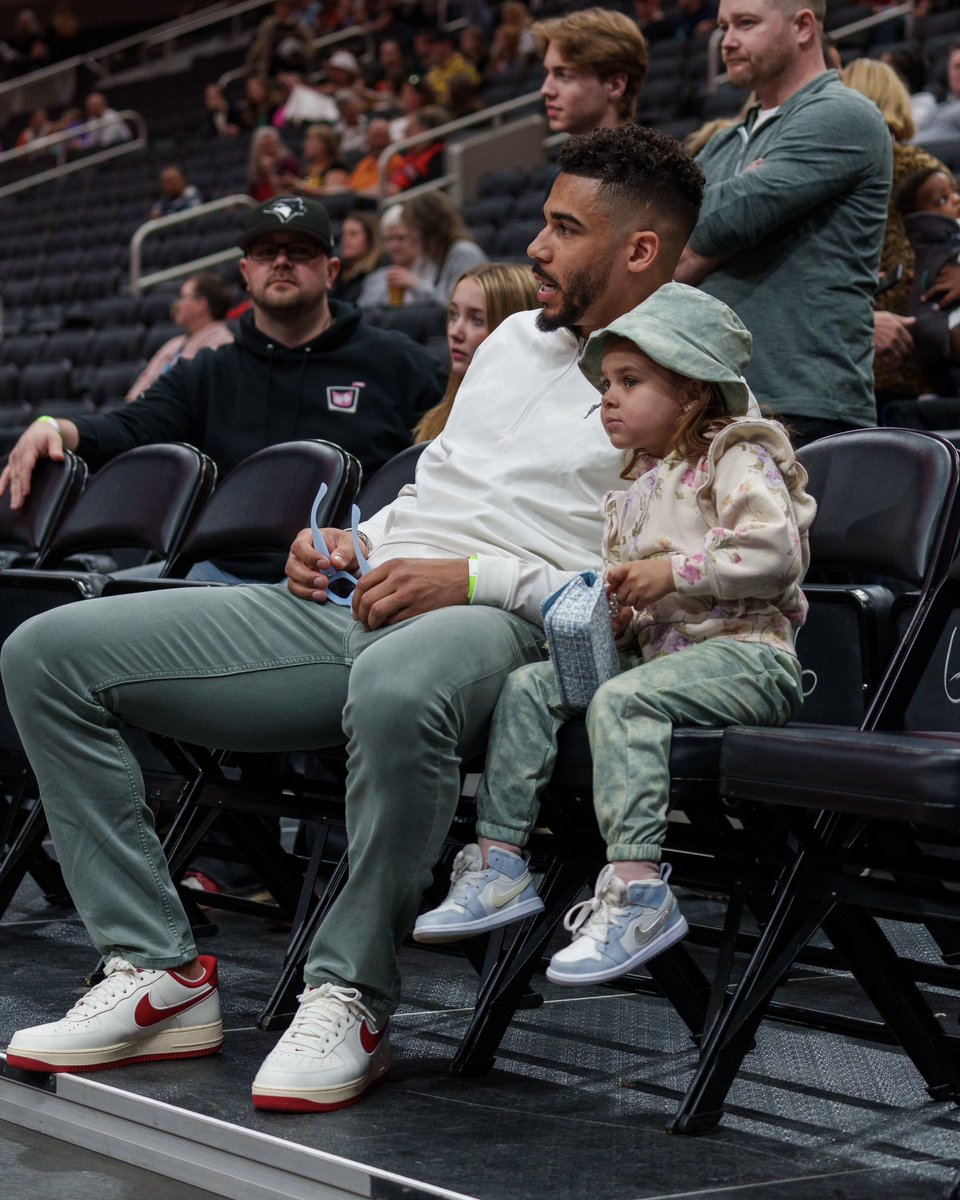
{"points": [[74, 337]]}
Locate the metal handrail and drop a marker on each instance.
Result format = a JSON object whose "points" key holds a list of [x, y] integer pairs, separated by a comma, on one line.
{"points": [[167, 32], [140, 282], [715, 78], [63, 138], [485, 115]]}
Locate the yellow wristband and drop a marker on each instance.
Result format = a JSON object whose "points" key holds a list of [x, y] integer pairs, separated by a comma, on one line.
{"points": [[55, 423], [472, 577]]}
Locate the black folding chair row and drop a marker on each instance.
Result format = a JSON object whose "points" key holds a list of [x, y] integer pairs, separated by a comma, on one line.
{"points": [[240, 796], [158, 499], [888, 506]]}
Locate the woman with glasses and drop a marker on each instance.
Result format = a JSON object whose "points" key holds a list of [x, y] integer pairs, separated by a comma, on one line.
{"points": [[445, 250], [396, 283]]}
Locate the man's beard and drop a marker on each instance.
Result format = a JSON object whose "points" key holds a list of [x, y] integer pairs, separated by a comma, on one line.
{"points": [[289, 306], [576, 297]]}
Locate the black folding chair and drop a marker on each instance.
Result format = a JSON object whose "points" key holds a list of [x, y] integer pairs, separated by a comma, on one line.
{"points": [[875, 816], [887, 507], [54, 490], [145, 498], [259, 507]]}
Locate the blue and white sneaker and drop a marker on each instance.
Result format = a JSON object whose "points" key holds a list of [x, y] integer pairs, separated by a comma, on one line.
{"points": [[619, 928], [480, 898]]}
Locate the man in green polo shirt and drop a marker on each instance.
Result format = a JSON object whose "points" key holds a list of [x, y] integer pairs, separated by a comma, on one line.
{"points": [[792, 222]]}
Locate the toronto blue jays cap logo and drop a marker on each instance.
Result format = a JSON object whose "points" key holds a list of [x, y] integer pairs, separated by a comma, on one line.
{"points": [[295, 213], [286, 208]]}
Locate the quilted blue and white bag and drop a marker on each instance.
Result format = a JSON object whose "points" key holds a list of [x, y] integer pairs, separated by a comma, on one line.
{"points": [[576, 620]]}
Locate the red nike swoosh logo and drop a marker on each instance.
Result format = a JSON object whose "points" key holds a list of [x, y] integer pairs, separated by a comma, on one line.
{"points": [[370, 1040], [146, 1015]]}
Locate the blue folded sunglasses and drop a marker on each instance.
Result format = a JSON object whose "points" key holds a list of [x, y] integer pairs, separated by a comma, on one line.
{"points": [[348, 581]]}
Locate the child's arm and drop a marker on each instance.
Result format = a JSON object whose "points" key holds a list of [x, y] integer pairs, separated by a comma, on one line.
{"points": [[754, 550]]}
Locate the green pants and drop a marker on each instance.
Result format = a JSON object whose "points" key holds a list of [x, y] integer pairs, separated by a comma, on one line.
{"points": [[630, 725], [253, 668]]}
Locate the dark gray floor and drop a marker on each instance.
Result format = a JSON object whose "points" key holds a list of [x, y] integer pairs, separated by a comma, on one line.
{"points": [[34, 1167], [576, 1108]]}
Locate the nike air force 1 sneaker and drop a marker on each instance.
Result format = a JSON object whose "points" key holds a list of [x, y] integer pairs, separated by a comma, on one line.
{"points": [[131, 1015], [330, 1055], [480, 898], [617, 929]]}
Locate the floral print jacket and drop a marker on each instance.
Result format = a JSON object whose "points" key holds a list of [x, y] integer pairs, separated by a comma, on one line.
{"points": [[734, 525]]}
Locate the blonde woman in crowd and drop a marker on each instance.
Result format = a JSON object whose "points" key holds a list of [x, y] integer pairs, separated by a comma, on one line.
{"points": [[896, 371], [482, 298]]}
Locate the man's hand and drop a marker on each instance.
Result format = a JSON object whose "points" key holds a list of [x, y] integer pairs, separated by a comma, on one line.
{"points": [[306, 568], [406, 587], [946, 287], [891, 335], [641, 583], [39, 440]]}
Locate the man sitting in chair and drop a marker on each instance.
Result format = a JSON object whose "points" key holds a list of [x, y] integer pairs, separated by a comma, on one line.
{"points": [[302, 366], [505, 508]]}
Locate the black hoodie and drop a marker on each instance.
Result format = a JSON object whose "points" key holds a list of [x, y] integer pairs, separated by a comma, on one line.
{"points": [[361, 387], [358, 386]]}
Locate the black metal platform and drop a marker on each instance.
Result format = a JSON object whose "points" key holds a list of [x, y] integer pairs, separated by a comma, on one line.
{"points": [[575, 1109]]}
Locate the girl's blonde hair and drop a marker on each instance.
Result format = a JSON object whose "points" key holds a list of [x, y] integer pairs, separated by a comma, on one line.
{"points": [[507, 288], [884, 87], [701, 413]]}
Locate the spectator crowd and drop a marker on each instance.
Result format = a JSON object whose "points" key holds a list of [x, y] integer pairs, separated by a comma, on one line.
{"points": [[819, 219]]}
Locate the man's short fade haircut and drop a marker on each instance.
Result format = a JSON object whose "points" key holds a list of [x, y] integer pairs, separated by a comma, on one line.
{"points": [[646, 174], [606, 43]]}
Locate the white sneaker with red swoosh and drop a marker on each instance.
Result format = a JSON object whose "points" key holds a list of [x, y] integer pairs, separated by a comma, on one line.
{"points": [[131, 1015], [329, 1056]]}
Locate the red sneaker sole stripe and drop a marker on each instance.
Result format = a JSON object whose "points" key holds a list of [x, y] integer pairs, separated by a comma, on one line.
{"points": [[33, 1064]]}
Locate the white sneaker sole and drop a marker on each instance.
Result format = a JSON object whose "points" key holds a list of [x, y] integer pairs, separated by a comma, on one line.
{"points": [[464, 929], [660, 943], [192, 1042], [297, 1099]]}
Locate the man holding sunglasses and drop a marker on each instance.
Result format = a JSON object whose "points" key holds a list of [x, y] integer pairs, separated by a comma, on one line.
{"points": [[302, 366], [505, 506]]}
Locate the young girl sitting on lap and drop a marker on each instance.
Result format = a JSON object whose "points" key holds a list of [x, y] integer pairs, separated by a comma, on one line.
{"points": [[705, 553]]}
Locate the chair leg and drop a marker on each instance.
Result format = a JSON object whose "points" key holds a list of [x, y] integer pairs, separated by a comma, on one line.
{"points": [[506, 982], [685, 986], [21, 856], [278, 871], [281, 1005], [877, 968], [48, 877], [729, 1039]]}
